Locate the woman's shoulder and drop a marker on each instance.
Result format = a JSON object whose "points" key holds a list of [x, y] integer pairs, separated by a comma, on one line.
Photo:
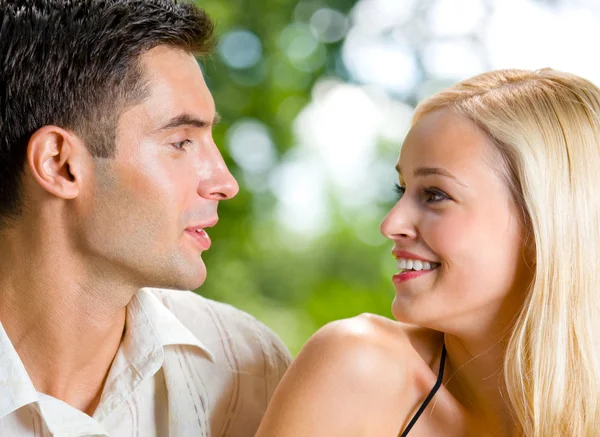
{"points": [[355, 377], [371, 333], [369, 346]]}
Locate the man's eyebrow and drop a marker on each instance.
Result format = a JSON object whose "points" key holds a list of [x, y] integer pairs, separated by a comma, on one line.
{"points": [[427, 171], [188, 120]]}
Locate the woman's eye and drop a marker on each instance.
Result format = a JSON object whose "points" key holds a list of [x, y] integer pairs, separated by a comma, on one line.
{"points": [[399, 190], [181, 145], [433, 195]]}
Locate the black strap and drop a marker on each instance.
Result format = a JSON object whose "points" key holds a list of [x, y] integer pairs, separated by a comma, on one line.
{"points": [[431, 394]]}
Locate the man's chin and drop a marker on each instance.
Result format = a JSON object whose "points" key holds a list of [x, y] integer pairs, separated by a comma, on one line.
{"points": [[195, 284], [182, 280], [189, 283], [177, 271]]}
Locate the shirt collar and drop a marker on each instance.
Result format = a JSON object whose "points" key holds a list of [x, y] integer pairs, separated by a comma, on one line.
{"points": [[150, 326], [16, 388], [166, 326]]}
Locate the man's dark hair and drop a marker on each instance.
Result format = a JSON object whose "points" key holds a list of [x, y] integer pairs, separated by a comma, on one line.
{"points": [[75, 64]]}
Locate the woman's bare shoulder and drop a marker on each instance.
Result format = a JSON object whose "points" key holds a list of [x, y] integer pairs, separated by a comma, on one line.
{"points": [[396, 342], [352, 378], [368, 331]]}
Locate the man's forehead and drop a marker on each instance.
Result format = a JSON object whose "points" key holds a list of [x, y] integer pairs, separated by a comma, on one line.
{"points": [[176, 90], [162, 54]]}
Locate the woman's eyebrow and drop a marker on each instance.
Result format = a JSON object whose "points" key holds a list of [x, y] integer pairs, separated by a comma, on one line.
{"points": [[427, 171]]}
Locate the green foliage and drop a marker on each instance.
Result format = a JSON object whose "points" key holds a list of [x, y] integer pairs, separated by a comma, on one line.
{"points": [[294, 285]]}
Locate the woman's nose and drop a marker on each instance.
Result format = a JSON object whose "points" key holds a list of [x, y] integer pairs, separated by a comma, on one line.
{"points": [[399, 222]]}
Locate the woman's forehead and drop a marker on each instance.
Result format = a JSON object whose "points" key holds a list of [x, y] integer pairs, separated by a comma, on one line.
{"points": [[443, 139]]}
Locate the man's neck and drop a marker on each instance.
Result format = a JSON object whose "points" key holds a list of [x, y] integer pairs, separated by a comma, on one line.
{"points": [[65, 324]]}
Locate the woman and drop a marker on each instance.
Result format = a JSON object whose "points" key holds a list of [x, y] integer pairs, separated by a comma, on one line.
{"points": [[497, 236]]}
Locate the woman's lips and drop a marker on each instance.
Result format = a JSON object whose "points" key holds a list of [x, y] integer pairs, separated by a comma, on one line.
{"points": [[409, 274]]}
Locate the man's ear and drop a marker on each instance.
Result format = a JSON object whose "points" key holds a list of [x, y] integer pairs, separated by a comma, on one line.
{"points": [[57, 159]]}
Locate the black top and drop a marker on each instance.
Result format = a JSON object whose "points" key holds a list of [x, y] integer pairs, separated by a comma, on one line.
{"points": [[435, 388]]}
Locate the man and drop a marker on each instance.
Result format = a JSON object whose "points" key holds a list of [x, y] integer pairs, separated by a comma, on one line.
{"points": [[109, 180]]}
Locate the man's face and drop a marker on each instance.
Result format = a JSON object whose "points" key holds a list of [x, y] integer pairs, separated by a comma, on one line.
{"points": [[144, 216]]}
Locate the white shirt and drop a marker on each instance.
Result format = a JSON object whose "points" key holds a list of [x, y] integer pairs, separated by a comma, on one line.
{"points": [[187, 366]]}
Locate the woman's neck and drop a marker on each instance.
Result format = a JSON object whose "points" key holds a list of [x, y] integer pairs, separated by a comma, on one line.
{"points": [[475, 378]]}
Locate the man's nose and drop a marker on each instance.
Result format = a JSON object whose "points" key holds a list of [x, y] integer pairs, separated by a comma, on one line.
{"points": [[220, 184]]}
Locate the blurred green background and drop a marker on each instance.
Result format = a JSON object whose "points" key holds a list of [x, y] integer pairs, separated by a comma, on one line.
{"points": [[316, 97]]}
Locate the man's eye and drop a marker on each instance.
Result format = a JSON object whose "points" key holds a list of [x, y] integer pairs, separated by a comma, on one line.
{"points": [[181, 145], [399, 190]]}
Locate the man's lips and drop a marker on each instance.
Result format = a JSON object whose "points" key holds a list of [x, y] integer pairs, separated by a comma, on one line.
{"points": [[207, 224], [200, 237], [198, 233]]}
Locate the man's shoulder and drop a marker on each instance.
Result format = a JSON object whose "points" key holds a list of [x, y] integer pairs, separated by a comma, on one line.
{"points": [[225, 330]]}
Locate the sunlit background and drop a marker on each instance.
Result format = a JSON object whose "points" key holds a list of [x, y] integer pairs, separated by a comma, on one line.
{"points": [[316, 98]]}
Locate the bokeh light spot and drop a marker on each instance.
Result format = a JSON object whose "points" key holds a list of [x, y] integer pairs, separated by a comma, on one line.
{"points": [[240, 49], [328, 25]]}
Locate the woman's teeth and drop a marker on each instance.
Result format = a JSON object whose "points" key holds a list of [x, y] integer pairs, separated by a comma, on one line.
{"points": [[415, 264]]}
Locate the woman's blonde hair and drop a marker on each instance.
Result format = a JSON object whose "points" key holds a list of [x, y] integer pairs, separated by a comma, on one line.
{"points": [[546, 126]]}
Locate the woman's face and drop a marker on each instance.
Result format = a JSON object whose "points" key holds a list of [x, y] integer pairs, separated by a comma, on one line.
{"points": [[456, 225]]}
